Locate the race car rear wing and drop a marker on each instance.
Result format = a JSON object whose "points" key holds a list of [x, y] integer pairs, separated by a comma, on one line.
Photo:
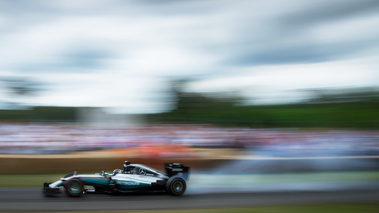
{"points": [[173, 169]]}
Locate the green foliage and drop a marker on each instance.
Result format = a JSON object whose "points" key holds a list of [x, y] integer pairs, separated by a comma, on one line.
{"points": [[53, 114], [194, 108], [357, 109]]}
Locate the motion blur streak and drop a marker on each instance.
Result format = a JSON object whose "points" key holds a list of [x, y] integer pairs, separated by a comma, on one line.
{"points": [[254, 96]]}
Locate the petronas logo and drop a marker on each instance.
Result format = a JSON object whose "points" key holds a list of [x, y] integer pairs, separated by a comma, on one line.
{"points": [[129, 183]]}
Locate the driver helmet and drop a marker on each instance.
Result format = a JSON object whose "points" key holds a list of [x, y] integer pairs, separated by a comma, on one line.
{"points": [[126, 164]]}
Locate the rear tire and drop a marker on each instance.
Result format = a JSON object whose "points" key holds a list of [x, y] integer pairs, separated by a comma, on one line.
{"points": [[176, 186], [74, 188]]}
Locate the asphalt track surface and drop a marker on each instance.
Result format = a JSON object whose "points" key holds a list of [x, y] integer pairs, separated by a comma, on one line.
{"points": [[31, 199]]}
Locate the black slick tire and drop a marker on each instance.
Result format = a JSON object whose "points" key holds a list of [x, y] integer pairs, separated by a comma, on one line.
{"points": [[176, 186], [74, 188]]}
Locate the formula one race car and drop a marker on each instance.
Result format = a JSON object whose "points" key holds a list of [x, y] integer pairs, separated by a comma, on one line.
{"points": [[134, 177]]}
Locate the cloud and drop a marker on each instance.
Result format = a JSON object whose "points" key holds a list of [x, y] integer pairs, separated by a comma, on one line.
{"points": [[290, 36], [77, 60], [326, 11], [127, 47], [286, 82]]}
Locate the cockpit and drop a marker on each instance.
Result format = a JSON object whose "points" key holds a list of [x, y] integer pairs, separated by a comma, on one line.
{"points": [[137, 169]]}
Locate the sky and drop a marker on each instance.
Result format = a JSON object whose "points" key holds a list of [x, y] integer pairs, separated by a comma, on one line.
{"points": [[122, 54]]}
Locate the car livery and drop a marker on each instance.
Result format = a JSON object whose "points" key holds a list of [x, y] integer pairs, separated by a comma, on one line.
{"points": [[134, 177]]}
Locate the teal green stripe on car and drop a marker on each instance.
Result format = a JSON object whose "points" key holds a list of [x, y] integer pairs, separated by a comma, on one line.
{"points": [[95, 181], [131, 184]]}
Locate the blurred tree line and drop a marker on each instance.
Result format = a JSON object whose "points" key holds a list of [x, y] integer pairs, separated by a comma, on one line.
{"points": [[356, 108], [15, 87], [40, 114]]}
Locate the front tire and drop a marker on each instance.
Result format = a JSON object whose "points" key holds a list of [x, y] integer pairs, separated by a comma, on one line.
{"points": [[74, 188], [176, 186]]}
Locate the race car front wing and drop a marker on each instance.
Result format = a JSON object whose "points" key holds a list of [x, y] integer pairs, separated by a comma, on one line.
{"points": [[50, 191]]}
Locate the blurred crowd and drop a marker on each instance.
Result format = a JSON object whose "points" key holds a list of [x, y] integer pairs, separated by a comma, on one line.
{"points": [[63, 138]]}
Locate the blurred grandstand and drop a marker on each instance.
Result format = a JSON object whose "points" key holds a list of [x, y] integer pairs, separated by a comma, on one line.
{"points": [[183, 140]]}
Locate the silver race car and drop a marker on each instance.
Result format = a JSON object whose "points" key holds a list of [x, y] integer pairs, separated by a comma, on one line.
{"points": [[133, 177]]}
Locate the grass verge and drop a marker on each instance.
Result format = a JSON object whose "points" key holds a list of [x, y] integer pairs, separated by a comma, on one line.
{"points": [[314, 208]]}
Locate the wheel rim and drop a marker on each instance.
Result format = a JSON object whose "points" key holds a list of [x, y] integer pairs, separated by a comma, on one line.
{"points": [[178, 186], [74, 187]]}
